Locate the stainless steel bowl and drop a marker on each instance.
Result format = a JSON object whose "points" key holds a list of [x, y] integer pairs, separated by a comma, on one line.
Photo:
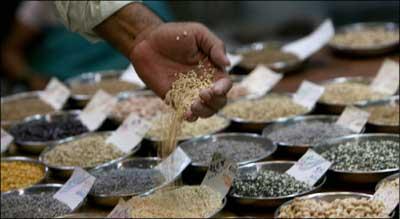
{"points": [[288, 148], [244, 125], [357, 176], [380, 127], [375, 50], [388, 178], [32, 161], [268, 202], [66, 171]]}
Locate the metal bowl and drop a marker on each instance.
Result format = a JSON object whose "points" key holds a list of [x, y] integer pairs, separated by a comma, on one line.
{"points": [[268, 202], [380, 127], [66, 171], [288, 148], [6, 124], [90, 78], [36, 147], [32, 161], [357, 176], [84, 215], [254, 126], [375, 50], [388, 178], [142, 163]]}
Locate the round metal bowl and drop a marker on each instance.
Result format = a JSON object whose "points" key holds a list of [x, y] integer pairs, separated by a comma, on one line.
{"points": [[388, 178], [36, 147], [269, 202], [84, 215], [244, 125], [32, 161], [357, 176], [90, 78], [66, 171], [142, 163], [288, 148], [380, 127], [333, 108], [366, 51], [282, 67], [6, 124]]}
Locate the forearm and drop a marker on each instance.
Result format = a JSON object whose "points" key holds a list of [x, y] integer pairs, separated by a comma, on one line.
{"points": [[125, 28]]}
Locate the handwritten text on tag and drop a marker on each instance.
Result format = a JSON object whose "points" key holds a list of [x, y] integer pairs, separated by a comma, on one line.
{"points": [[121, 210], [308, 94], [97, 110], [353, 119], [6, 140], [387, 79], [55, 94], [260, 81], [310, 168], [388, 193], [174, 164], [76, 188]]}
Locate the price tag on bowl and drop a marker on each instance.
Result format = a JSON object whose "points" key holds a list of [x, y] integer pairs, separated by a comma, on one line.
{"points": [[55, 94], [309, 168], [174, 164], [130, 133], [387, 79], [308, 94], [6, 140], [97, 110], [353, 118], [234, 60], [130, 75], [388, 193], [74, 191], [121, 210], [260, 81]]}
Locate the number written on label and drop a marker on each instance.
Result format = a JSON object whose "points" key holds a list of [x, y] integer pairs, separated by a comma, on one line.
{"points": [[388, 193], [55, 94]]}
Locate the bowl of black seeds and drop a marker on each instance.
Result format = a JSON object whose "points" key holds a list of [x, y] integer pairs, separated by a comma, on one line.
{"points": [[265, 184], [34, 202], [296, 135], [362, 158], [131, 177], [38, 131]]}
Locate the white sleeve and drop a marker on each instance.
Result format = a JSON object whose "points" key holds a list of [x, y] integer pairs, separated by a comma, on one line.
{"points": [[83, 16], [36, 14]]}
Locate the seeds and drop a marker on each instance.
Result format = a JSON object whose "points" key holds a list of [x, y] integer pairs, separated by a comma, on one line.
{"points": [[387, 114], [41, 205], [19, 174], [19, 109], [184, 202], [339, 208], [126, 181], [111, 86], [270, 107], [267, 56], [88, 151], [307, 133], [348, 93], [266, 183], [237, 150], [364, 155]]}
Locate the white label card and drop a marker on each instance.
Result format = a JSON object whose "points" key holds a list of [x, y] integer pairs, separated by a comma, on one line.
{"points": [[310, 44], [308, 94], [353, 118], [121, 210], [97, 110], [388, 193], [310, 168], [130, 133], [55, 94], [6, 140], [220, 174], [234, 60], [387, 79], [260, 81], [174, 164], [130, 75], [76, 188]]}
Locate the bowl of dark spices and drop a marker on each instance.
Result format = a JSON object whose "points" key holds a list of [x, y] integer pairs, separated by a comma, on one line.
{"points": [[38, 131], [265, 184], [361, 158], [86, 151], [296, 135], [33, 202]]}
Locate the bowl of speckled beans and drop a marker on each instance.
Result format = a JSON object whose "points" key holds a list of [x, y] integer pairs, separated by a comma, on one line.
{"points": [[361, 158]]}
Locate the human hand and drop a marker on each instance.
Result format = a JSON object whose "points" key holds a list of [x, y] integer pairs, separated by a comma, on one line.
{"points": [[161, 52]]}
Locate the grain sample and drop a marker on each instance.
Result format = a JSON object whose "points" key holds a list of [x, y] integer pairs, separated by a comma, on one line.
{"points": [[266, 56], [111, 86], [19, 174], [17, 110], [387, 114]]}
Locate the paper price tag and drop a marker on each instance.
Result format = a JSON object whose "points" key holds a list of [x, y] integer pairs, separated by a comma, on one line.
{"points": [[130, 133], [387, 79], [130, 75], [234, 60], [310, 168], [6, 140], [55, 94], [220, 174], [353, 119], [388, 193], [310, 44], [121, 210], [97, 110], [260, 81], [76, 188], [174, 164], [308, 94]]}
